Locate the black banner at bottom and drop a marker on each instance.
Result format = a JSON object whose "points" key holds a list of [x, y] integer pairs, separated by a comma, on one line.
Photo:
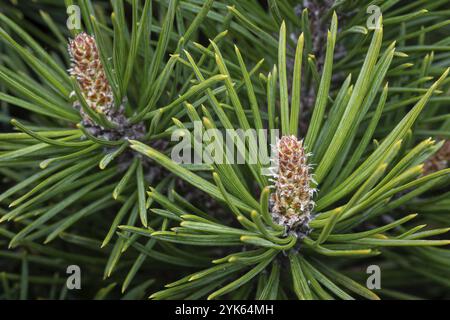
{"points": [[181, 310]]}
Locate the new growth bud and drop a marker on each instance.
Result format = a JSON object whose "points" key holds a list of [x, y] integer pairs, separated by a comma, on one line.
{"points": [[88, 69], [292, 202]]}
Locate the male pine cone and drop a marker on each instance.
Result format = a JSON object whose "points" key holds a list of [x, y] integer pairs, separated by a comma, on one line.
{"points": [[291, 203], [88, 70]]}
